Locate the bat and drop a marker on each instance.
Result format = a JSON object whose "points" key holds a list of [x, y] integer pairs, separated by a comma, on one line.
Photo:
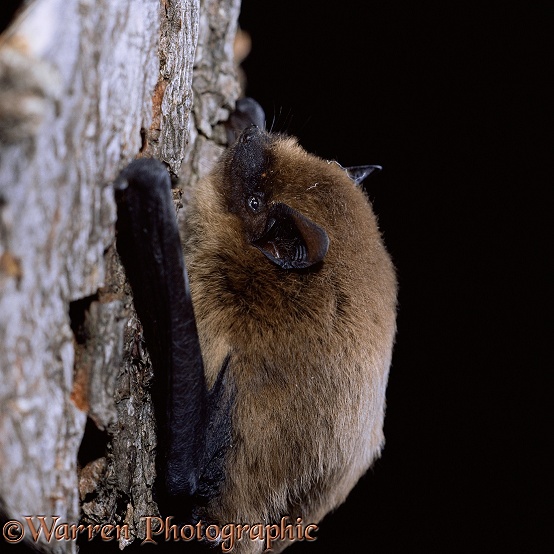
{"points": [[270, 318]]}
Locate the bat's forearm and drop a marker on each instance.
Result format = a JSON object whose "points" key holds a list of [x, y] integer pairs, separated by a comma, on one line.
{"points": [[149, 246]]}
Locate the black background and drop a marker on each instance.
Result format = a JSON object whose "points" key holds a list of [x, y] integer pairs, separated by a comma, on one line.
{"points": [[7, 11], [451, 99]]}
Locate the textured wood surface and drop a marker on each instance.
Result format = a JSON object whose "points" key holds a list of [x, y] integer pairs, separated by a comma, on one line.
{"points": [[85, 87]]}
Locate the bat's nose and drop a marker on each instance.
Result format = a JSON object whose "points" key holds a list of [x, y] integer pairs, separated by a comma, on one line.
{"points": [[250, 133]]}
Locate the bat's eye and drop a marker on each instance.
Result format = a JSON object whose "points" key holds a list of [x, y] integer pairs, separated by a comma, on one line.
{"points": [[254, 203]]}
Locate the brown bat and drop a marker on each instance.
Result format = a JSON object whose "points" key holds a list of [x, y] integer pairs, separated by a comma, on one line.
{"points": [[271, 370]]}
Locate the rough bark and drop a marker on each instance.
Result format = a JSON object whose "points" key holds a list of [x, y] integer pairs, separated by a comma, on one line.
{"points": [[85, 87]]}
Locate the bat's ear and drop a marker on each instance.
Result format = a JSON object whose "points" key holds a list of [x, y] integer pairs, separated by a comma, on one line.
{"points": [[291, 240], [360, 172]]}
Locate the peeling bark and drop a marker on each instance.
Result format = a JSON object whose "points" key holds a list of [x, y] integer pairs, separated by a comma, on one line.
{"points": [[85, 87]]}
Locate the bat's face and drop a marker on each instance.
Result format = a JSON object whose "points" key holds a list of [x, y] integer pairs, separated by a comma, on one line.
{"points": [[281, 195], [249, 187]]}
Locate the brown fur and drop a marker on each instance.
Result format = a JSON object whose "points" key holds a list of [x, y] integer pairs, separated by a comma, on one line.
{"points": [[310, 350]]}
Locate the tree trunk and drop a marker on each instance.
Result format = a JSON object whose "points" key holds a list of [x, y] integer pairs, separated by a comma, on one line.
{"points": [[85, 87]]}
